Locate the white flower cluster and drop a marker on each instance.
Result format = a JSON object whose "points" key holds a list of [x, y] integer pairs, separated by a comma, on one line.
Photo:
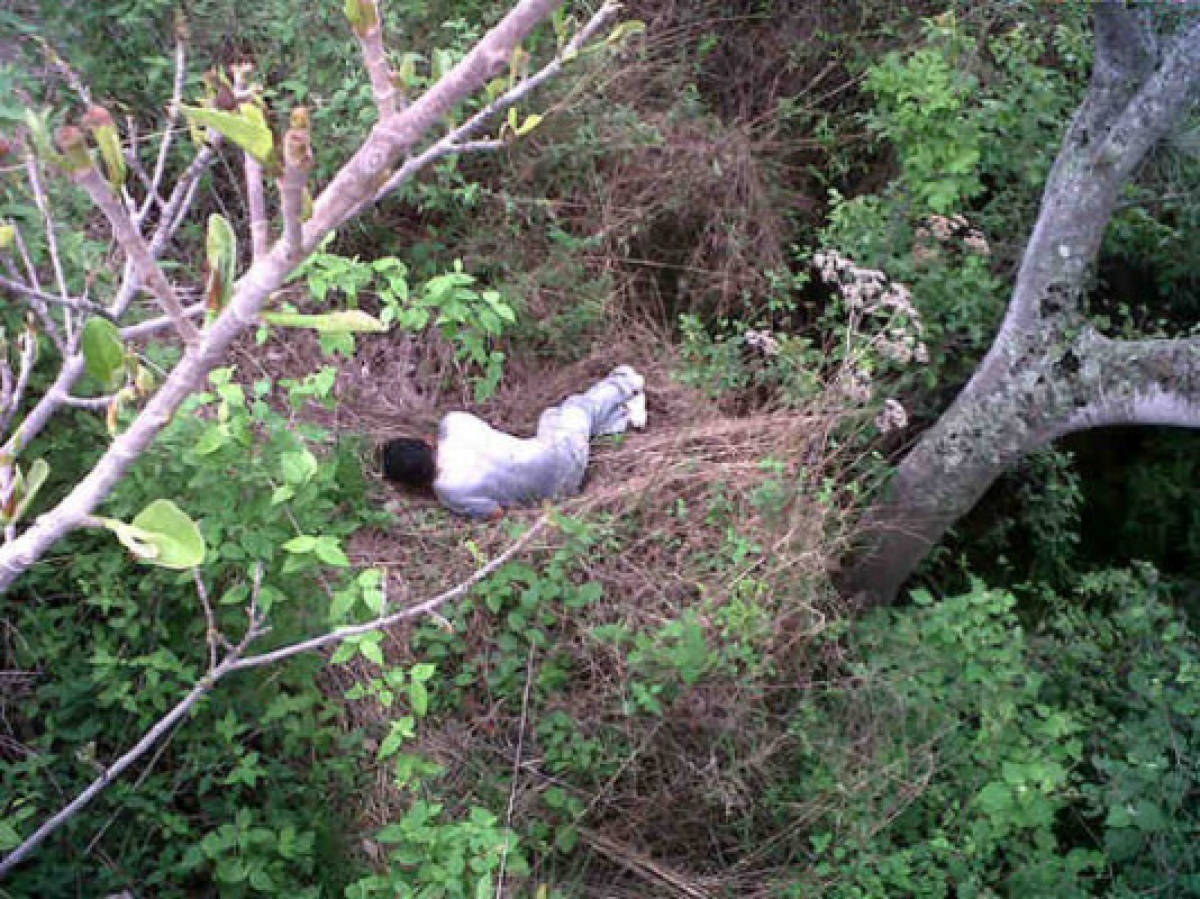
{"points": [[869, 292], [944, 229], [891, 417]]}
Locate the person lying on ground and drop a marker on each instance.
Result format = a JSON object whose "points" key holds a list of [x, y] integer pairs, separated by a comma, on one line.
{"points": [[478, 471]]}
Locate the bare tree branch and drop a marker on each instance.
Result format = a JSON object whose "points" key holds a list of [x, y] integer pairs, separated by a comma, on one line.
{"points": [[369, 32], [78, 304], [297, 163], [234, 661], [36, 299], [164, 146], [34, 173], [211, 635], [88, 177], [162, 322], [459, 140]]}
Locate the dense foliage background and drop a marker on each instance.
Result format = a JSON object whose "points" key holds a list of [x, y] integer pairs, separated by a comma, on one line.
{"points": [[668, 697]]}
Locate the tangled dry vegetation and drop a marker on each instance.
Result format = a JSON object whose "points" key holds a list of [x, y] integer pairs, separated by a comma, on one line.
{"points": [[684, 524], [705, 512]]}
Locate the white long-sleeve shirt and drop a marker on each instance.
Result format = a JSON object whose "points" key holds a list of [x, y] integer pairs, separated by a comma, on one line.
{"points": [[481, 469]]}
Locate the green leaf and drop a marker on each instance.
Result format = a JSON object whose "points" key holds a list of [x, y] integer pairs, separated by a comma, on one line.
{"points": [[33, 483], [110, 150], [418, 698], [344, 653], [566, 838], [103, 351], [400, 732], [305, 543], [624, 31], [9, 838], [211, 439], [39, 133], [347, 321], [370, 650], [330, 553], [531, 122], [343, 602], [220, 244], [298, 467], [247, 128], [161, 534], [422, 671]]}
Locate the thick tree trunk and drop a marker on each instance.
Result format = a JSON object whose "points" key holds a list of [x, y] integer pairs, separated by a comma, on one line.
{"points": [[1048, 372]]}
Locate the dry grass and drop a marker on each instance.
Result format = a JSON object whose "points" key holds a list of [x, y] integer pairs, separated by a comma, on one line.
{"points": [[689, 519], [669, 502]]}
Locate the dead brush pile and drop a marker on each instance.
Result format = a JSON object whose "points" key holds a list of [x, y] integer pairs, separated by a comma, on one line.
{"points": [[715, 520]]}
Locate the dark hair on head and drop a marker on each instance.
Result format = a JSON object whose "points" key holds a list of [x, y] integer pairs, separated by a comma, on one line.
{"points": [[409, 460]]}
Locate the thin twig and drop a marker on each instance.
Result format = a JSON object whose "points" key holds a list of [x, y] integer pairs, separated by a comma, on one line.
{"points": [[460, 136], [344, 633], [172, 115], [89, 402], [129, 237], [211, 634], [37, 302], [78, 304], [516, 772], [39, 196], [28, 355], [152, 325]]}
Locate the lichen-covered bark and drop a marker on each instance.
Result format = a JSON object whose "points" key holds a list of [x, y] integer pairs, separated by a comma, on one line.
{"points": [[1048, 373]]}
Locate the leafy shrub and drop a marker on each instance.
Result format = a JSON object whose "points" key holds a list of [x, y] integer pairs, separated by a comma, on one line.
{"points": [[249, 791]]}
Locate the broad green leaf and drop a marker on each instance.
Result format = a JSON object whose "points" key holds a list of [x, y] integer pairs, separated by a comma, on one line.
{"points": [[400, 732], [305, 543], [33, 483], [370, 650], [103, 351], [161, 534], [211, 439], [221, 246], [298, 467], [246, 127], [531, 122], [345, 322], [418, 698], [9, 838], [7, 233], [330, 553], [110, 151], [343, 602], [422, 671]]}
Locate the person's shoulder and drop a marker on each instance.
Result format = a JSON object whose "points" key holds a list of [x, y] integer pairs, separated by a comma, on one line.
{"points": [[460, 423]]}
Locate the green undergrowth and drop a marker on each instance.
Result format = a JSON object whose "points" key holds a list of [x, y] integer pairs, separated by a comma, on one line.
{"points": [[251, 792]]}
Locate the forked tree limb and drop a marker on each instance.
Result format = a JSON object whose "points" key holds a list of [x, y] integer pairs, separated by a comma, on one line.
{"points": [[1047, 373]]}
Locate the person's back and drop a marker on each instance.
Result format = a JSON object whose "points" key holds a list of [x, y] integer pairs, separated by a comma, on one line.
{"points": [[482, 470]]}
